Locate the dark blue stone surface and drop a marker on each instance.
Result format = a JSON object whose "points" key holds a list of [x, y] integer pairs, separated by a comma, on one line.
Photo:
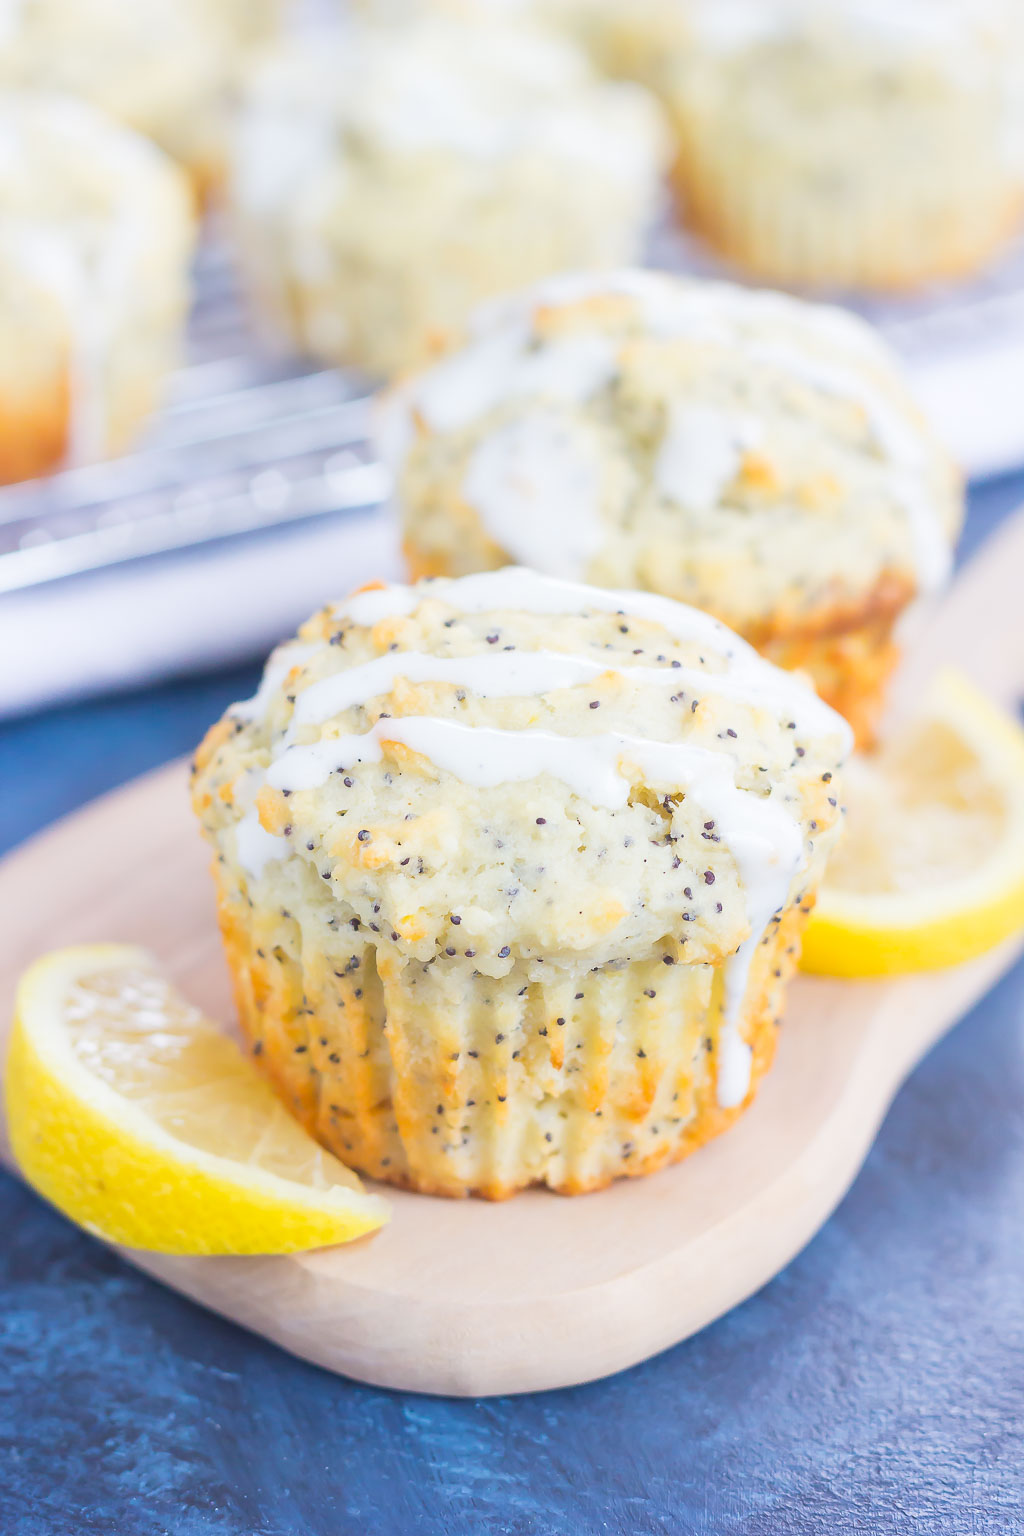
{"points": [[875, 1387]]}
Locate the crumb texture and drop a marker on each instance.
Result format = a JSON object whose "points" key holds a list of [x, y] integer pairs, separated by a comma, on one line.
{"points": [[748, 453], [95, 243]]}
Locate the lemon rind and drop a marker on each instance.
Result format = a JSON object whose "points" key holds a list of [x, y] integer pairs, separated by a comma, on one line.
{"points": [[861, 935]]}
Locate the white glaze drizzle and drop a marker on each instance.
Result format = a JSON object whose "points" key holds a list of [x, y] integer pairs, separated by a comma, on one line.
{"points": [[503, 674], [671, 306], [701, 453], [510, 674], [255, 846], [900, 444], [499, 367], [933, 554], [437, 86], [479, 93], [281, 662], [520, 590], [516, 588], [495, 369], [536, 481]]}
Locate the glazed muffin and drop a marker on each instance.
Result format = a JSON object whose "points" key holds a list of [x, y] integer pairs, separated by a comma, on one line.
{"points": [[167, 68], [511, 876], [385, 183], [863, 143], [750, 454], [96, 236]]}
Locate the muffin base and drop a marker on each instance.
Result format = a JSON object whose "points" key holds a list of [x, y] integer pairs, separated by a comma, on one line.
{"points": [[457, 1085], [770, 231], [36, 429], [33, 432]]}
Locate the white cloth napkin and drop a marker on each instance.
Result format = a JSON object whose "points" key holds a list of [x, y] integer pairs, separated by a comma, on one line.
{"points": [[155, 618], [975, 400]]}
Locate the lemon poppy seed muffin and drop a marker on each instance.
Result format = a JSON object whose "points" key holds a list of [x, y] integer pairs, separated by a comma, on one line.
{"points": [[96, 236], [750, 454], [167, 68], [862, 143], [387, 181], [512, 873]]}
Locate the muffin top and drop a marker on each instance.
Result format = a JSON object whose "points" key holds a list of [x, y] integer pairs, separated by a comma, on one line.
{"points": [[140, 60], [64, 166], [439, 87], [741, 451], [508, 769]]}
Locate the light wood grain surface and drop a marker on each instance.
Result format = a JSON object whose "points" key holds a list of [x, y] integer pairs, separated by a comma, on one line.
{"points": [[472, 1298]]}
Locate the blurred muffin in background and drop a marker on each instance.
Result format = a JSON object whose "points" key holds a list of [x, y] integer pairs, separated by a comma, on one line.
{"points": [[862, 143], [637, 40], [385, 182], [753, 455], [167, 68], [252, 21], [96, 236], [512, 874]]}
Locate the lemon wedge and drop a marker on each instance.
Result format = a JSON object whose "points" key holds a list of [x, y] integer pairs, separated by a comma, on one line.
{"points": [[930, 868], [142, 1122]]}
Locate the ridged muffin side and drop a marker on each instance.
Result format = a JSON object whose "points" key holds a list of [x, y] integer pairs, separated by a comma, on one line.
{"points": [[854, 144], [469, 968]]}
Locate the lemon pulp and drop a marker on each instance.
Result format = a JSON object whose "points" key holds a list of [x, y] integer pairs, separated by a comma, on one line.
{"points": [[930, 868], [139, 1119]]}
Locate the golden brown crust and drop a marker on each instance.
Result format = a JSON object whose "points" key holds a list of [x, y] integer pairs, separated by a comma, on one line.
{"points": [[847, 649], [33, 431], [371, 1074], [420, 563]]}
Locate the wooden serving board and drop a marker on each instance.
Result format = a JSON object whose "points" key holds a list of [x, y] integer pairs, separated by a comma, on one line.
{"points": [[471, 1298]]}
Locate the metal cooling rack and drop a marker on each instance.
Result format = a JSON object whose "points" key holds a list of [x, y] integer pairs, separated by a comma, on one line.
{"points": [[245, 442], [248, 442]]}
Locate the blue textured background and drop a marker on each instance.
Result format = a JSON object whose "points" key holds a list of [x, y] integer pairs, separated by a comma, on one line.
{"points": [[875, 1387]]}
